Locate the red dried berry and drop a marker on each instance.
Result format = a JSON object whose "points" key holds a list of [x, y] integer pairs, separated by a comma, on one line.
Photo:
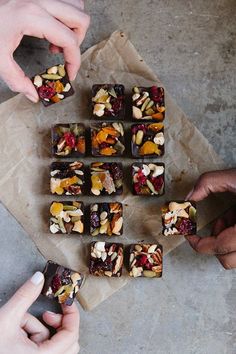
{"points": [[46, 92], [142, 260], [157, 182], [56, 283], [70, 139]]}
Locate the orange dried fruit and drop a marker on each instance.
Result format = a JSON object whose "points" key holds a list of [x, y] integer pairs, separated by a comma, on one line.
{"points": [[56, 208], [81, 145], [95, 143], [158, 116], [161, 109], [69, 181], [149, 148], [156, 126], [110, 131], [58, 190], [96, 182], [55, 99], [111, 141], [58, 86], [108, 151], [101, 137]]}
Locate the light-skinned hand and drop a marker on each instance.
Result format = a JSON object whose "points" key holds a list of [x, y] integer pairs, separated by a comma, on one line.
{"points": [[22, 333], [62, 23], [222, 241]]}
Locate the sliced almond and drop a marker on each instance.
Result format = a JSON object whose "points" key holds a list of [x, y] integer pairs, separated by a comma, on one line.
{"points": [[52, 70], [118, 226], [138, 248], [152, 248], [67, 87], [137, 113], [108, 273], [38, 81]]}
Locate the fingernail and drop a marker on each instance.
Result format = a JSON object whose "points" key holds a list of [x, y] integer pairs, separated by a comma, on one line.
{"points": [[37, 278], [189, 194], [51, 313], [32, 98]]}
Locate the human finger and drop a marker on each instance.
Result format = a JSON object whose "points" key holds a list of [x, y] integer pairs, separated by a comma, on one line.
{"points": [[53, 319], [35, 329], [228, 261]]}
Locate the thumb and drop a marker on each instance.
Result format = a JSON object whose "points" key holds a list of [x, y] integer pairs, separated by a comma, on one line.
{"points": [[16, 79], [25, 295]]}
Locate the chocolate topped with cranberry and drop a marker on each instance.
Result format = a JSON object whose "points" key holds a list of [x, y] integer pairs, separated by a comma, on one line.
{"points": [[68, 140], [108, 101], [179, 218], [148, 179], [145, 260], [148, 103], [61, 284], [147, 140], [53, 85], [106, 259]]}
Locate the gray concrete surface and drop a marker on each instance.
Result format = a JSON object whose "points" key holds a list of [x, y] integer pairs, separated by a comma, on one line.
{"points": [[191, 46]]}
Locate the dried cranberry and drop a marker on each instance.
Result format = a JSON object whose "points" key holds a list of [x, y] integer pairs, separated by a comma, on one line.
{"points": [[137, 188], [94, 219], [186, 227], [45, 91], [137, 127], [116, 171], [117, 105], [157, 182], [142, 260], [104, 145], [56, 283], [148, 266], [70, 139]]}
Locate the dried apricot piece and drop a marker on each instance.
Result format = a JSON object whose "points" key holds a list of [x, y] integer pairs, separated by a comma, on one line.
{"points": [[58, 86], [110, 131], [108, 151], [81, 144], [56, 208], [101, 137], [156, 126], [69, 181], [55, 99], [111, 141], [96, 182], [149, 148], [58, 190], [158, 116], [161, 109]]}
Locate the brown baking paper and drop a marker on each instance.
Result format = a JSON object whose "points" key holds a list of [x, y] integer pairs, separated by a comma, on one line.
{"points": [[25, 159]]}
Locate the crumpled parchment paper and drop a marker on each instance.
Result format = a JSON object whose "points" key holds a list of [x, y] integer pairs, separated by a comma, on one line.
{"points": [[25, 159]]}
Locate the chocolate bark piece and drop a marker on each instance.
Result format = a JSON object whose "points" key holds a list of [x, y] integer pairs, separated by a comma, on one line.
{"points": [[106, 219], [145, 260], [148, 103], [108, 101], [67, 178], [147, 140], [148, 179], [106, 259], [107, 139], [53, 85], [179, 218], [68, 140], [106, 178], [61, 284], [67, 217]]}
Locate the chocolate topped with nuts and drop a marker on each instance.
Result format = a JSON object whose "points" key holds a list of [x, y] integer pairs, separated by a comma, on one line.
{"points": [[107, 139], [108, 101], [67, 178], [147, 140], [68, 140], [53, 85], [148, 179], [106, 219], [145, 260], [179, 218], [148, 103], [106, 259], [67, 217], [61, 284]]}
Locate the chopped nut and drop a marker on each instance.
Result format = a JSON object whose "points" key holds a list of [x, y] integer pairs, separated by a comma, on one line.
{"points": [[38, 81]]}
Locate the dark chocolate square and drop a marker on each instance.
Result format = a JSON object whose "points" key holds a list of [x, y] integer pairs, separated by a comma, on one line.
{"points": [[148, 103], [179, 218], [61, 284], [68, 140], [145, 260], [148, 179], [53, 85], [107, 139], [67, 217], [147, 140], [106, 259], [106, 178], [108, 101], [67, 178], [106, 219]]}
